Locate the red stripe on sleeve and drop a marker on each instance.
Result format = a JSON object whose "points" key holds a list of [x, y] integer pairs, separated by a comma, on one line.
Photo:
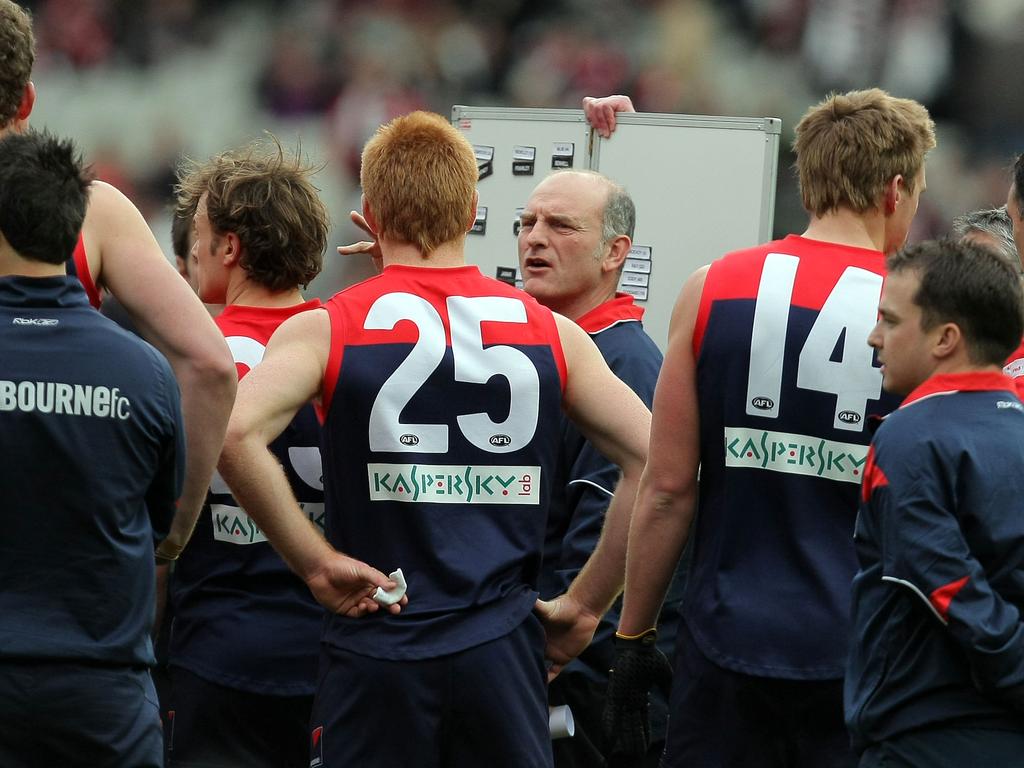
{"points": [[874, 477], [943, 596]]}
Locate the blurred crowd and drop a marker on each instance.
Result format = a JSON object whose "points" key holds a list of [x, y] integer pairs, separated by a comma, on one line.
{"points": [[339, 68]]}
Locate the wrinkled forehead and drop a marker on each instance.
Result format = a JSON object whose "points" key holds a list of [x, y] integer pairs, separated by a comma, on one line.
{"points": [[568, 193]]}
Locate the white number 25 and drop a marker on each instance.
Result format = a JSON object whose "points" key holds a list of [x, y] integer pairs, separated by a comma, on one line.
{"points": [[474, 364]]}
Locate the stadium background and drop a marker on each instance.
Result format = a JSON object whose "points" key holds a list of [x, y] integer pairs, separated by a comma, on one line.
{"points": [[140, 82]]}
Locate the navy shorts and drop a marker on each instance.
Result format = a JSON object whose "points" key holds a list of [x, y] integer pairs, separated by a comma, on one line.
{"points": [[211, 726], [484, 706], [719, 718], [947, 747], [58, 713]]}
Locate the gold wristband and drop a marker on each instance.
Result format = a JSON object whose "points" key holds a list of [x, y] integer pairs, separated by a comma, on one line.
{"points": [[636, 637], [167, 553]]}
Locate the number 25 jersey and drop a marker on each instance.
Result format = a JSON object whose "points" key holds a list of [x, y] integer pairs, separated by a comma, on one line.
{"points": [[786, 382], [442, 396]]}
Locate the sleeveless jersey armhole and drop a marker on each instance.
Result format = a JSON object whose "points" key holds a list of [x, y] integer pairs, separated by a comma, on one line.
{"points": [[84, 275], [703, 310], [558, 353], [333, 369]]}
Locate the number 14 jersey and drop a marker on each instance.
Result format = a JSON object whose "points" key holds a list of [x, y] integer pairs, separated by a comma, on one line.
{"points": [[786, 382]]}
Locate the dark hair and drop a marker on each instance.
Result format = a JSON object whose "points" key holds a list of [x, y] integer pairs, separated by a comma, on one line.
{"points": [[264, 196], [43, 194], [972, 286], [181, 231]]}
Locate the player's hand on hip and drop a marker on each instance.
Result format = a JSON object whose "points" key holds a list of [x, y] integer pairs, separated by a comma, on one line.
{"points": [[638, 666], [346, 586], [569, 628], [600, 113]]}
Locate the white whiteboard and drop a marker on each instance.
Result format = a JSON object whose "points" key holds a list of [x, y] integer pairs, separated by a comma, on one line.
{"points": [[703, 186]]}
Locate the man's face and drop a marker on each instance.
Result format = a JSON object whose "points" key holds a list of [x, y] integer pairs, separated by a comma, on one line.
{"points": [[206, 269], [185, 264], [903, 347], [903, 216], [560, 248], [1013, 209]]}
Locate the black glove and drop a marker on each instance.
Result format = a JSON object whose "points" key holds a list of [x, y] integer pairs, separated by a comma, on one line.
{"points": [[638, 665]]}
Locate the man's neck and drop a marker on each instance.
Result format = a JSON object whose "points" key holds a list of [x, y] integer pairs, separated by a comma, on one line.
{"points": [[844, 227], [250, 294], [13, 265], [446, 255], [578, 306]]}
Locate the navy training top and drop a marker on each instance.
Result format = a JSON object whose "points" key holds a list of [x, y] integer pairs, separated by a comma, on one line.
{"points": [[93, 460]]}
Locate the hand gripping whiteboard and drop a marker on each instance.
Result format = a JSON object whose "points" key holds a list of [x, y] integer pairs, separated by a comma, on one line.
{"points": [[703, 186]]}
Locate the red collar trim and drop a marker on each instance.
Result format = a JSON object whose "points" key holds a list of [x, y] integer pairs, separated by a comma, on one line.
{"points": [[974, 381], [621, 309]]}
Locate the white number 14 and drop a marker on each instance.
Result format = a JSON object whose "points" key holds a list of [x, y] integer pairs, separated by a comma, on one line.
{"points": [[848, 313]]}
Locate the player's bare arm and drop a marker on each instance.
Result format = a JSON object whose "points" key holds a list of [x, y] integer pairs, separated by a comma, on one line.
{"points": [[125, 258], [667, 497], [269, 396], [616, 421]]}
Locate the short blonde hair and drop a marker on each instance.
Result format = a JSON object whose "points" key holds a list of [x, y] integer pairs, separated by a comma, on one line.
{"points": [[851, 144], [419, 177]]}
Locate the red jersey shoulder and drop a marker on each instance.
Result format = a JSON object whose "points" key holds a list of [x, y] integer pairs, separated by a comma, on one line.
{"points": [[417, 295]]}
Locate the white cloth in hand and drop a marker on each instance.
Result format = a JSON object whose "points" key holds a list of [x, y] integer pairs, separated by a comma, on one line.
{"points": [[392, 596]]}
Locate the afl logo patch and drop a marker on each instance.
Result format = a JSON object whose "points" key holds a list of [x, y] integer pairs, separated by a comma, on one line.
{"points": [[409, 440], [849, 417], [763, 403], [499, 441]]}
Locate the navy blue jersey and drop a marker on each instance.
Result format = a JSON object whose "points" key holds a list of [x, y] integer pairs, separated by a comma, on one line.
{"points": [[937, 633], [242, 618], [442, 397], [585, 480], [785, 382], [93, 458]]}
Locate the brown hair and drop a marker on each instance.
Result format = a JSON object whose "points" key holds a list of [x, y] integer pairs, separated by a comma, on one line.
{"points": [[419, 177], [268, 200], [975, 287], [851, 144], [17, 54]]}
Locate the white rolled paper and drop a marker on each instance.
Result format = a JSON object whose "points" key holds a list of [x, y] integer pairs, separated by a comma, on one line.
{"points": [[392, 596], [560, 722]]}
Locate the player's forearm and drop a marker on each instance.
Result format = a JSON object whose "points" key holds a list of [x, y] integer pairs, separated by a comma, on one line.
{"points": [[207, 393], [261, 487], [657, 536], [600, 581]]}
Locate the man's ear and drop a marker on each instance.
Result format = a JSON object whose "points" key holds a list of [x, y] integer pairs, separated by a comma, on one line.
{"points": [[948, 341], [894, 191], [472, 213], [28, 100], [232, 249], [371, 220], [617, 252]]}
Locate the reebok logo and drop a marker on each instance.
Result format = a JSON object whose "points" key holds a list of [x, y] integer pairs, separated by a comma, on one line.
{"points": [[35, 321]]}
